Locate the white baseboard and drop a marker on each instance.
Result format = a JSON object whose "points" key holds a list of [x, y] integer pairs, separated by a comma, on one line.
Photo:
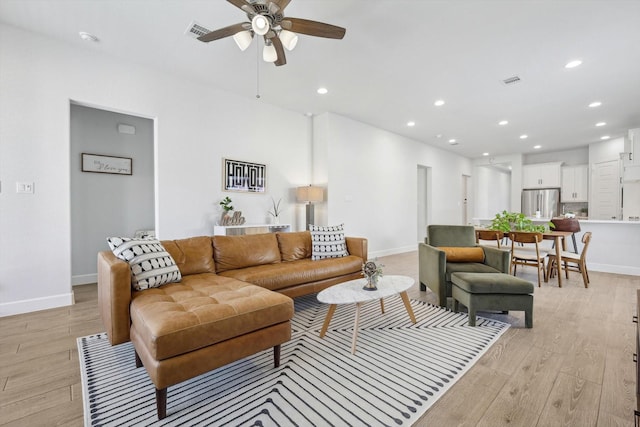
{"points": [[612, 268], [35, 304], [84, 279]]}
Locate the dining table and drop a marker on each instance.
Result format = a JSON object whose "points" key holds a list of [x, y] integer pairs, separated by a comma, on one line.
{"points": [[560, 245], [560, 238]]}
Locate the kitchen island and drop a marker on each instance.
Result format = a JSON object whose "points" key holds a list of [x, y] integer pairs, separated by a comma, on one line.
{"points": [[614, 247]]}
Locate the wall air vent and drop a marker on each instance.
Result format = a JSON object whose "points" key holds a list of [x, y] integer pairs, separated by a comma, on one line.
{"points": [[196, 30], [511, 80]]}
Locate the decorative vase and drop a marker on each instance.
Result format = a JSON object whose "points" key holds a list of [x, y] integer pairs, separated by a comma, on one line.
{"points": [[276, 220], [225, 218], [372, 283]]}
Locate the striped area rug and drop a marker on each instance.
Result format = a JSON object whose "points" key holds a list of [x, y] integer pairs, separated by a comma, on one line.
{"points": [[399, 371]]}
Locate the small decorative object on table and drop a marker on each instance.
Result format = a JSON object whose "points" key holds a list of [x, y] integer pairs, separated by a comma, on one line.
{"points": [[372, 271], [226, 208], [276, 211]]}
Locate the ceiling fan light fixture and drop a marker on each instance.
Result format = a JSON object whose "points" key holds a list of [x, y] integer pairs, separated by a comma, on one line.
{"points": [[243, 39], [289, 40], [260, 25], [269, 53]]}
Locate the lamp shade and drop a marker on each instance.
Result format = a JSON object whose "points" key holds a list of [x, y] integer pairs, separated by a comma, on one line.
{"points": [[243, 39], [260, 25], [269, 53], [309, 194], [288, 39]]}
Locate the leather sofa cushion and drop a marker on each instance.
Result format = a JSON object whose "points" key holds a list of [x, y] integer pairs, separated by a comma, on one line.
{"points": [[193, 255], [233, 252], [286, 274], [463, 254], [202, 310], [294, 246]]}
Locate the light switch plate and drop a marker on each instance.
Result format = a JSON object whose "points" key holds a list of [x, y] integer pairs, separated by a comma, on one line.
{"points": [[24, 187]]}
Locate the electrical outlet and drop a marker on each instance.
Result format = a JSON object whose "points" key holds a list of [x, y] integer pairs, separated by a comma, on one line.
{"points": [[24, 187]]}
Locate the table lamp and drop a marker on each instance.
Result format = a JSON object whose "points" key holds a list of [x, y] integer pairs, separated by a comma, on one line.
{"points": [[309, 194]]}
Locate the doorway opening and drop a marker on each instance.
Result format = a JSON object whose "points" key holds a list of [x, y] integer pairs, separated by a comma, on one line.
{"points": [[104, 203]]}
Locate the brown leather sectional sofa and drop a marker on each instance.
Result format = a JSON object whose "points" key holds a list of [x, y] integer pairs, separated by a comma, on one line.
{"points": [[233, 301]]}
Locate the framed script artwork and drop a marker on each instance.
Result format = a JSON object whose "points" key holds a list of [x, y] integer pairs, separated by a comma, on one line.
{"points": [[244, 176], [106, 164]]}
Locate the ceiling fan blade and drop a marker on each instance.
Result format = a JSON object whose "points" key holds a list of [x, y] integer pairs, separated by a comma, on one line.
{"points": [[313, 28], [224, 32], [282, 59], [244, 5], [282, 3]]}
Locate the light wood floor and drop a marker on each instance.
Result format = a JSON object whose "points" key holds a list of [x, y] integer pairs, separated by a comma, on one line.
{"points": [[574, 368]]}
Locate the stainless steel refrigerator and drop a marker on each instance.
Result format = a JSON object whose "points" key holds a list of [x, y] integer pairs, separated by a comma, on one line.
{"points": [[544, 200]]}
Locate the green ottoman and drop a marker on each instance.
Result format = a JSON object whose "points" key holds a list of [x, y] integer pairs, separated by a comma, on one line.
{"points": [[492, 291]]}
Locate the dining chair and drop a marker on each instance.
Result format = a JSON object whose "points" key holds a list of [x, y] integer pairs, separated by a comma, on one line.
{"points": [[525, 250], [572, 261], [489, 235]]}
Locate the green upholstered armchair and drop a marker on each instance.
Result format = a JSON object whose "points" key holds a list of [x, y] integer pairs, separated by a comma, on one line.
{"points": [[434, 270]]}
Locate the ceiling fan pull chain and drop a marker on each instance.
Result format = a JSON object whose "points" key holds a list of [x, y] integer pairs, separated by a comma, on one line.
{"points": [[257, 70]]}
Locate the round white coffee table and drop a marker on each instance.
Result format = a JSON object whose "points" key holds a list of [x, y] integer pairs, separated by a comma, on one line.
{"points": [[351, 292]]}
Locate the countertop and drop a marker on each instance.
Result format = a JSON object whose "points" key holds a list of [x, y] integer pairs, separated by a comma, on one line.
{"points": [[586, 221]]}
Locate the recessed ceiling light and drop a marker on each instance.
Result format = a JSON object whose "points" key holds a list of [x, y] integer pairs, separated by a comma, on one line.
{"points": [[599, 124], [411, 124], [595, 104], [485, 154], [323, 90], [537, 147], [452, 141], [605, 137], [503, 122], [87, 37], [573, 64], [439, 103], [524, 136]]}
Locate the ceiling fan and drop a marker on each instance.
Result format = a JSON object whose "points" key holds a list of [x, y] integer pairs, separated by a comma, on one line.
{"points": [[266, 18]]}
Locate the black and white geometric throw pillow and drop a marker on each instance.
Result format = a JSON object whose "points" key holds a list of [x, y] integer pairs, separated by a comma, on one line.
{"points": [[327, 241], [151, 265]]}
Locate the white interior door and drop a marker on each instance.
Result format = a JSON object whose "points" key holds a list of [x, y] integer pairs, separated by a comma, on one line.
{"points": [[605, 191], [422, 199], [465, 200]]}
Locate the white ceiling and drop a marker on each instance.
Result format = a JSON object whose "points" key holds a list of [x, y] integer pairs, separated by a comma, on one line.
{"points": [[396, 59]]}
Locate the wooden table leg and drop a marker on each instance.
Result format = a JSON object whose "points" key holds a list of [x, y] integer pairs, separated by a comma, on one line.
{"points": [[355, 328], [559, 259], [407, 305], [327, 320]]}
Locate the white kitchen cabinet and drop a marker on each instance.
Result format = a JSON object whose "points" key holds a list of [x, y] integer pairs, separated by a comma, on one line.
{"points": [[541, 175], [575, 184], [632, 148]]}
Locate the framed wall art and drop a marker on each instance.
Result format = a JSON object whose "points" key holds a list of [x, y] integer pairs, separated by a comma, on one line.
{"points": [[244, 176], [106, 164]]}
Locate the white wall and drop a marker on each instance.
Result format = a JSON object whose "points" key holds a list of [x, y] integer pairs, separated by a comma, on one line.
{"points": [[573, 157], [371, 178], [515, 186], [493, 191], [606, 151], [195, 127]]}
